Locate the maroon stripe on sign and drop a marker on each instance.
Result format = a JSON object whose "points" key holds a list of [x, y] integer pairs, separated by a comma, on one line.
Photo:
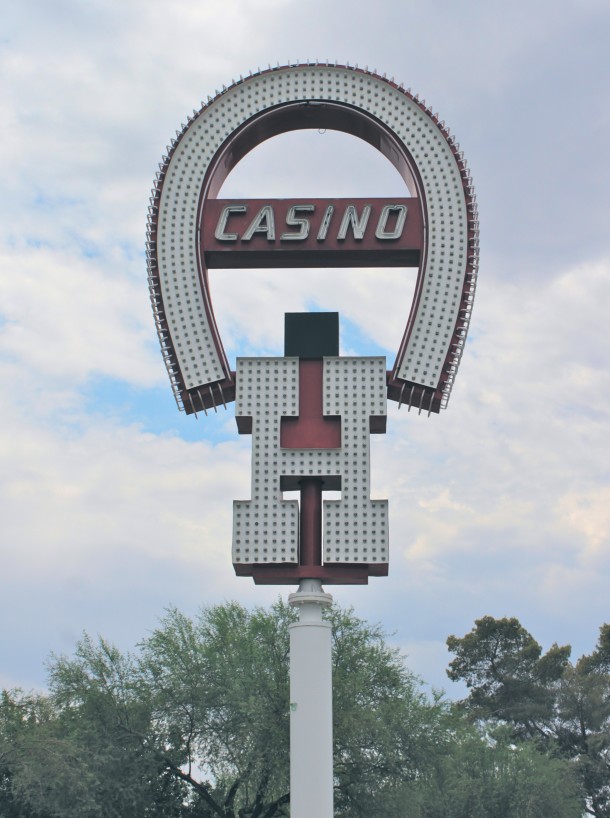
{"points": [[310, 430]]}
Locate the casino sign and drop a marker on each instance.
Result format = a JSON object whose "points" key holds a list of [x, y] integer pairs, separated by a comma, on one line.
{"points": [[434, 227]]}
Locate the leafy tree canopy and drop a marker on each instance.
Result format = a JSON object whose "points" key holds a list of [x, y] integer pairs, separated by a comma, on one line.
{"points": [[562, 708], [195, 724]]}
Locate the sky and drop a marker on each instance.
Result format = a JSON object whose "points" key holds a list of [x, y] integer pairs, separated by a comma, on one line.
{"points": [[115, 506]]}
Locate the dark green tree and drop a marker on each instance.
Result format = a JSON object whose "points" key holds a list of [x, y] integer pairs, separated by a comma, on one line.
{"points": [[79, 761], [508, 676], [560, 707], [196, 723], [483, 776], [20, 715]]}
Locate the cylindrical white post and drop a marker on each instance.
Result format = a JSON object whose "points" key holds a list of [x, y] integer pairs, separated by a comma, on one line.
{"points": [[311, 705]]}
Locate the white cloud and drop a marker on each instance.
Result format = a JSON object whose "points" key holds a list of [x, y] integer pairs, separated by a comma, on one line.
{"points": [[68, 318], [500, 504], [94, 499], [588, 514], [250, 305], [497, 506]]}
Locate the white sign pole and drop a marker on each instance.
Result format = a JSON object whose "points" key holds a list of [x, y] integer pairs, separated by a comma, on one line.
{"points": [[311, 706]]}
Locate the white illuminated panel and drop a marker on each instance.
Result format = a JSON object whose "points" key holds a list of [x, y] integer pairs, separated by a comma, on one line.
{"points": [[265, 528], [355, 528], [442, 188]]}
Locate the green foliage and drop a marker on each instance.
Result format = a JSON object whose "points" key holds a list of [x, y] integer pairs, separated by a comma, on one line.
{"points": [[384, 726], [196, 725], [481, 776], [507, 674], [20, 716], [218, 687], [70, 754], [563, 709]]}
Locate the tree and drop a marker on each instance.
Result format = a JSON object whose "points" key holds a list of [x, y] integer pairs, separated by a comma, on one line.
{"points": [[478, 776], [563, 709], [385, 728], [68, 762], [195, 725], [583, 722], [509, 678], [218, 693], [18, 714]]}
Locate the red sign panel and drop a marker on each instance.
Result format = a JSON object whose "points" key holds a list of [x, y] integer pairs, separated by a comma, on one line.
{"points": [[248, 233]]}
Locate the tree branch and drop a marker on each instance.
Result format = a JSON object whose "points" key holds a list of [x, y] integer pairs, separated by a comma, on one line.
{"points": [[200, 789], [231, 794], [273, 808]]}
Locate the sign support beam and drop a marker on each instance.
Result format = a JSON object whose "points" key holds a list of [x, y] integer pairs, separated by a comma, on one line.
{"points": [[311, 716]]}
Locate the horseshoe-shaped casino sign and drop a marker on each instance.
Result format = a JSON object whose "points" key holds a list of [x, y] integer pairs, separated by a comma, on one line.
{"points": [[434, 228]]}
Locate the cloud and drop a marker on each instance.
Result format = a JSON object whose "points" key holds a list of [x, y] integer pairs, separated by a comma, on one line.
{"points": [[104, 528], [112, 491], [68, 318], [588, 514], [91, 96], [497, 506]]}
